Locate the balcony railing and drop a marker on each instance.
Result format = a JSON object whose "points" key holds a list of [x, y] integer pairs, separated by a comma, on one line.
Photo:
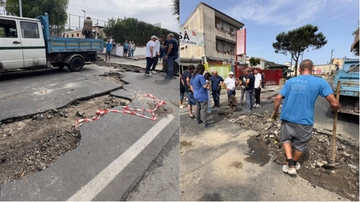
{"points": [[226, 33]]}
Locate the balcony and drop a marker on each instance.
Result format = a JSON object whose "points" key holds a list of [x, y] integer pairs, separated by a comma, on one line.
{"points": [[223, 55], [227, 35]]}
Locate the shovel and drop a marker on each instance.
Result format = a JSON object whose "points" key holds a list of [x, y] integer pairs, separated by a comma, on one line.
{"points": [[333, 147]]}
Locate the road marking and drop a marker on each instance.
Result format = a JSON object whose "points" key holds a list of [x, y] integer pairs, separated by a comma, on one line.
{"points": [[99, 182]]}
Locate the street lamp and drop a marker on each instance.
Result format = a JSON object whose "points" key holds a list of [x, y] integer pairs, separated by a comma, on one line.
{"points": [[84, 13], [20, 8]]}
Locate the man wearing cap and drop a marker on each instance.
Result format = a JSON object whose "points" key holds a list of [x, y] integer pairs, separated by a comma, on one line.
{"points": [[230, 84], [150, 54]]}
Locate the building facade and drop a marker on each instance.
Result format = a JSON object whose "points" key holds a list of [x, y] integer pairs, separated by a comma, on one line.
{"points": [[219, 33], [78, 33]]}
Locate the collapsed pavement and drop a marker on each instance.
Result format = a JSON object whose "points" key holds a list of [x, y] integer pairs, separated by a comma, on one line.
{"points": [[343, 179]]}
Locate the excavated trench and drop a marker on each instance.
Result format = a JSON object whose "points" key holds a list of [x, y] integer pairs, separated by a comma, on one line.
{"points": [[343, 179]]}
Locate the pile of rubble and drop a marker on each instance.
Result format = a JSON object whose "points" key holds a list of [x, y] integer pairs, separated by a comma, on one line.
{"points": [[343, 179]]}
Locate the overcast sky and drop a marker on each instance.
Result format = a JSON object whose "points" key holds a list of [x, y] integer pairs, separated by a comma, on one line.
{"points": [[154, 11]]}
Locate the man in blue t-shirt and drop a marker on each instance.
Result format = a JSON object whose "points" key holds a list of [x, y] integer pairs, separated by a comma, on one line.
{"points": [[216, 83], [126, 49], [171, 55], [109, 47], [200, 88], [297, 114]]}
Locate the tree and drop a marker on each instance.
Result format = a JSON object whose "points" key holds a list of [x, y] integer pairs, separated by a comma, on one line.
{"points": [[133, 30], [298, 40], [254, 61], [176, 9], [56, 9], [355, 49]]}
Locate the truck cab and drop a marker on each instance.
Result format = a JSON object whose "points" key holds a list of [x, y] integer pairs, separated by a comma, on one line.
{"points": [[22, 43]]}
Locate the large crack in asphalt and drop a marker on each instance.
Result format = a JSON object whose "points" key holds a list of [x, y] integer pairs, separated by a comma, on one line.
{"points": [[32, 142]]}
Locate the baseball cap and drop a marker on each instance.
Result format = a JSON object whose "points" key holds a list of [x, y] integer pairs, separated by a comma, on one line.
{"points": [[153, 36], [231, 73]]}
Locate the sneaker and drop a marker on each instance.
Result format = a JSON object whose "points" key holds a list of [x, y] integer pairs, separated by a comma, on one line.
{"points": [[258, 105], [153, 72], [182, 107], [297, 166], [208, 125], [288, 170], [146, 74], [192, 117]]}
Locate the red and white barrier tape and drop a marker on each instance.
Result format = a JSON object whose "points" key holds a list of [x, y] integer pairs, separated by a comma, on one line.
{"points": [[126, 110]]}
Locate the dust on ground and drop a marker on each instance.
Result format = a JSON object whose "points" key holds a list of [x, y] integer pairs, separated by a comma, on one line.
{"points": [[343, 179], [115, 77], [29, 145]]}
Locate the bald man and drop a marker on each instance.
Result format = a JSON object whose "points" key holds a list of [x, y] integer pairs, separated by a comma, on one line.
{"points": [[297, 114], [216, 83]]}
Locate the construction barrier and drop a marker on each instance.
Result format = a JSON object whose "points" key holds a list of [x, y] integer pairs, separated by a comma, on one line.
{"points": [[126, 110]]}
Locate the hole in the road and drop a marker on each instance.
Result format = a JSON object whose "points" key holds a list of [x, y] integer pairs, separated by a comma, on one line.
{"points": [[121, 67], [29, 145], [237, 164], [257, 152], [211, 197], [185, 144]]}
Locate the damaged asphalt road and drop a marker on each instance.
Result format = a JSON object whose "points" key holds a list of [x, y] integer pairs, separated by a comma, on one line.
{"points": [[105, 155]]}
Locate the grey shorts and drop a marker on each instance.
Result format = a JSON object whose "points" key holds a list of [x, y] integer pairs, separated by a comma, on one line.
{"points": [[298, 135]]}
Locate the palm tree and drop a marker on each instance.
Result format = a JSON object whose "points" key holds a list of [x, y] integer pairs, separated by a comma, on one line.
{"points": [[355, 45], [176, 9]]}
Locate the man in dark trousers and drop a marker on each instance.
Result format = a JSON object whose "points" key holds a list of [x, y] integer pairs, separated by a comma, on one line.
{"points": [[216, 83], [187, 75], [297, 114], [171, 55], [249, 89], [242, 80]]}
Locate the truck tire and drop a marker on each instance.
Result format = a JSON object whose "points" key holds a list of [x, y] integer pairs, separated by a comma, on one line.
{"points": [[76, 64]]}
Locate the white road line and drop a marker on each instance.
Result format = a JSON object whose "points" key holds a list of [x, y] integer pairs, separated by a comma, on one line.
{"points": [[98, 183]]}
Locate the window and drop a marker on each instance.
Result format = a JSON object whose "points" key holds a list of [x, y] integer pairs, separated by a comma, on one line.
{"points": [[30, 30], [231, 30], [72, 35], [77, 34], [8, 29]]}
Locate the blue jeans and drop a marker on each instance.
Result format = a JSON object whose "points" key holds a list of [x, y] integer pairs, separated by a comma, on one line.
{"points": [[231, 92], [249, 98], [149, 63], [216, 97], [170, 65], [132, 53]]}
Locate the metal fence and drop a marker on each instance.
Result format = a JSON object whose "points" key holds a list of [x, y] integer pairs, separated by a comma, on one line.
{"points": [[76, 22]]}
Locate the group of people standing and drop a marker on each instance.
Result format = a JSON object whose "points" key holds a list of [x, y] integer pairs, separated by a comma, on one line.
{"points": [[165, 50], [197, 90], [128, 49]]}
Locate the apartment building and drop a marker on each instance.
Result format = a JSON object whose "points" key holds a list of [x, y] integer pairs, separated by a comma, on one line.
{"points": [[219, 31]]}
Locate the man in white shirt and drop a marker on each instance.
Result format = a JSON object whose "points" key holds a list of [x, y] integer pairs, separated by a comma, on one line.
{"points": [[230, 84], [150, 54], [157, 54], [257, 87]]}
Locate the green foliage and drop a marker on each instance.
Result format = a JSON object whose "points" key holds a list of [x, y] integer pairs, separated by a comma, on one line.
{"points": [[176, 9], [298, 40], [269, 63], [2, 32], [133, 30], [254, 61], [356, 48], [56, 9]]}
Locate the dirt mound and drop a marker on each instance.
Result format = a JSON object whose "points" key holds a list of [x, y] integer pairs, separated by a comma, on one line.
{"points": [[30, 145], [343, 179]]}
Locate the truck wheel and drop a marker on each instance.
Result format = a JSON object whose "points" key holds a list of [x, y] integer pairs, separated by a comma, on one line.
{"points": [[76, 64]]}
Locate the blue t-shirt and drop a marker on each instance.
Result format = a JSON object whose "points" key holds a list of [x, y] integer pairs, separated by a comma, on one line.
{"points": [[215, 81], [109, 46], [126, 45], [175, 48], [200, 93], [300, 95]]}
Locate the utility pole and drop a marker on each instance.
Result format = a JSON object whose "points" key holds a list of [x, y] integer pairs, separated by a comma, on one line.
{"points": [[332, 50], [20, 8]]}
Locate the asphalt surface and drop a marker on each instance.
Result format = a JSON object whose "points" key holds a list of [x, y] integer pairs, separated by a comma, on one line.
{"points": [[116, 153], [215, 163]]}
